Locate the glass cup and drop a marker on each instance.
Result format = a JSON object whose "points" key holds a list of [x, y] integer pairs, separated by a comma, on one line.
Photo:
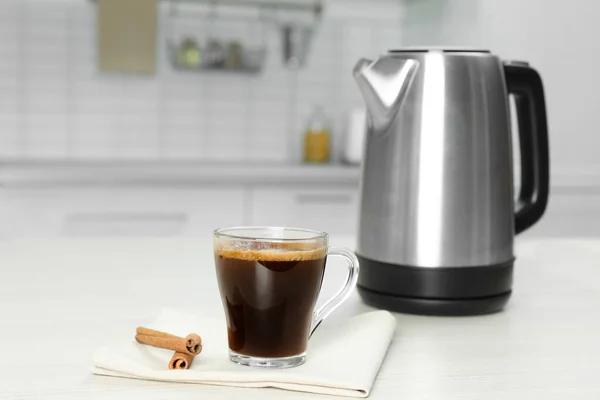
{"points": [[269, 279]]}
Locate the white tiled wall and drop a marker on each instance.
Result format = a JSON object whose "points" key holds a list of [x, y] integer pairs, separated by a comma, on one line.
{"points": [[54, 104], [558, 38]]}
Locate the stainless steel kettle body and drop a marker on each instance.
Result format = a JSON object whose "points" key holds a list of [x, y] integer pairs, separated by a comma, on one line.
{"points": [[437, 214]]}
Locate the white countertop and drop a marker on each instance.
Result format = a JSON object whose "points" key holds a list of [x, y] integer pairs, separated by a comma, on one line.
{"points": [[56, 173], [60, 300]]}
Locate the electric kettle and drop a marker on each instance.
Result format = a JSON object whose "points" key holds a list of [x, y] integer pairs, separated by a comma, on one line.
{"points": [[437, 212]]}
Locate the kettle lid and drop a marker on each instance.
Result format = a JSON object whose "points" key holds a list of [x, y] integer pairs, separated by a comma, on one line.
{"points": [[426, 49]]}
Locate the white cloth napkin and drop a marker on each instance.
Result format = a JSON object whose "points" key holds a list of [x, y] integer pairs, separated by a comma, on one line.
{"points": [[341, 360]]}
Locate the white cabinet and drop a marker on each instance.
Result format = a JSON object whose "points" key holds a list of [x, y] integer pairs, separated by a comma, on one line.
{"points": [[173, 211], [139, 211], [332, 209], [162, 210]]}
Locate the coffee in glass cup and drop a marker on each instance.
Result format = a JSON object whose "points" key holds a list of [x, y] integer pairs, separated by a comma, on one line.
{"points": [[269, 279]]}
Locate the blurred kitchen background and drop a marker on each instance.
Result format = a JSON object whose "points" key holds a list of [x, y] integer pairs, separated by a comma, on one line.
{"points": [[173, 117]]}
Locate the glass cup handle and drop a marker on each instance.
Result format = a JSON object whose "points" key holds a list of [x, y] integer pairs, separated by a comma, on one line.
{"points": [[343, 293]]}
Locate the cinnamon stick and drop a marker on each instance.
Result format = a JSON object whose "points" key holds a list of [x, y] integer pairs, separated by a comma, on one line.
{"points": [[193, 343], [181, 361], [151, 332], [175, 344]]}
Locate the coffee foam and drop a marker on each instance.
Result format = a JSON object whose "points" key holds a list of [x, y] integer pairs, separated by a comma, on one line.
{"points": [[272, 254]]}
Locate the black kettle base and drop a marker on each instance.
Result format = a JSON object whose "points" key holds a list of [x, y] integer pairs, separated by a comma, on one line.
{"points": [[435, 291], [440, 307]]}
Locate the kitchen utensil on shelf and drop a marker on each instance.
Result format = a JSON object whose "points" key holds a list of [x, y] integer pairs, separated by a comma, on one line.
{"points": [[214, 55], [235, 56], [296, 43], [355, 129], [437, 215], [188, 54]]}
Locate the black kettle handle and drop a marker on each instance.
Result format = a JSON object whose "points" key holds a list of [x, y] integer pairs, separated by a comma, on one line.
{"points": [[526, 85]]}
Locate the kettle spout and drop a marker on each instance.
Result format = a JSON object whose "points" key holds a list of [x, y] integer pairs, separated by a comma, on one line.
{"points": [[384, 83]]}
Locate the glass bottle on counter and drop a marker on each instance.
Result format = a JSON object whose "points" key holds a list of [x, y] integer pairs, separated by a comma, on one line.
{"points": [[317, 138]]}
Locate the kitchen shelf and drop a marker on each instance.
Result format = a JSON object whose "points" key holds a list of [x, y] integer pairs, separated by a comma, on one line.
{"points": [[244, 70], [213, 15]]}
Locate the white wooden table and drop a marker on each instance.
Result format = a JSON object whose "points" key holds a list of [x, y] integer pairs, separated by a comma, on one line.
{"points": [[60, 300]]}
